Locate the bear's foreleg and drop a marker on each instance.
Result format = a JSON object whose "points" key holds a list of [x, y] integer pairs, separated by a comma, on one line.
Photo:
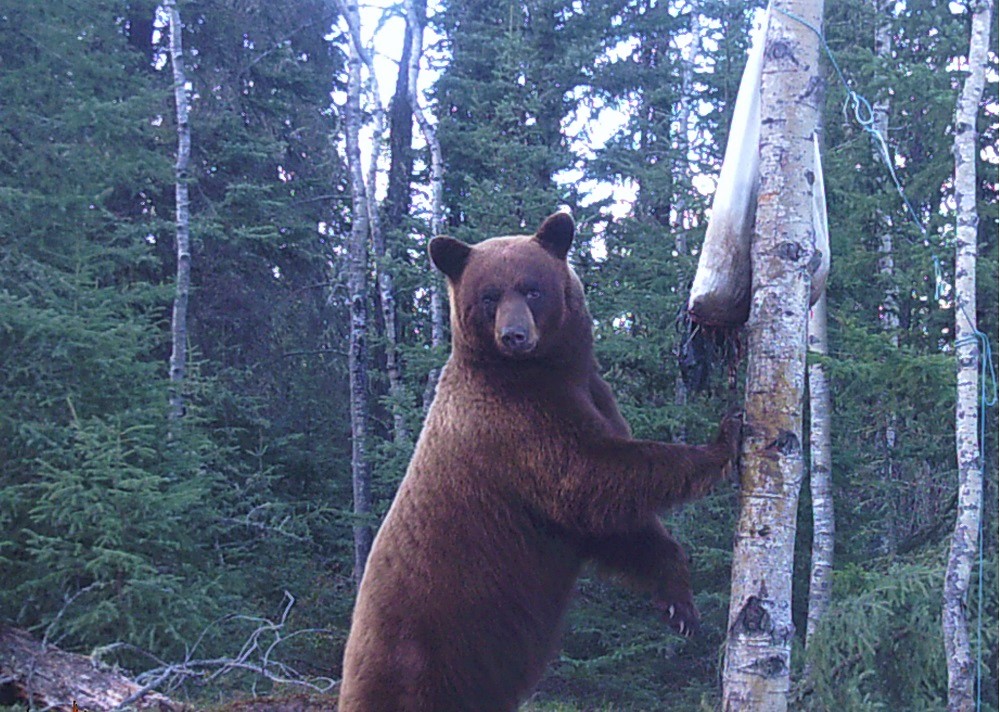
{"points": [[651, 561], [611, 485]]}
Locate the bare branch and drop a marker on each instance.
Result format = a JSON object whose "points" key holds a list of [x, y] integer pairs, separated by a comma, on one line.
{"points": [[255, 656]]}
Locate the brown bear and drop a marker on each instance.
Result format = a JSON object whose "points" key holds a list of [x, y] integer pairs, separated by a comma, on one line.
{"points": [[524, 470]]}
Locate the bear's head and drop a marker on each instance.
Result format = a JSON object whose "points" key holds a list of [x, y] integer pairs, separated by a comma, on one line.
{"points": [[515, 298]]}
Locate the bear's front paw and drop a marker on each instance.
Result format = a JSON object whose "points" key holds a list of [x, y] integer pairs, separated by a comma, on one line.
{"points": [[731, 432], [681, 615]]}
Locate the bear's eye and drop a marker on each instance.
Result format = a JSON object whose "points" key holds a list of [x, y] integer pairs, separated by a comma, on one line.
{"points": [[533, 294], [490, 299]]}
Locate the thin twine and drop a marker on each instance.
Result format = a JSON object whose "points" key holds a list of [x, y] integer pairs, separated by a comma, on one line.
{"points": [[865, 117]]}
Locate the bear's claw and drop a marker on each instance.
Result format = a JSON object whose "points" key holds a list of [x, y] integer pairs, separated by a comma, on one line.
{"points": [[682, 616]]}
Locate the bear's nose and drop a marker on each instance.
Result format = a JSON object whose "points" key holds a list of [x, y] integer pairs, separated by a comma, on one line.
{"points": [[515, 338]]}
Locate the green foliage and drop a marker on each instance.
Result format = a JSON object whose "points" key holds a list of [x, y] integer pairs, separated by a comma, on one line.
{"points": [[114, 531], [501, 102], [879, 647]]}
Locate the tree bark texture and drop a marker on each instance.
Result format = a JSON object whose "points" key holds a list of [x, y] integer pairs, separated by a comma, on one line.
{"points": [[178, 327], [758, 645], [415, 27], [357, 288], [880, 114], [820, 475], [398, 199], [397, 209], [384, 278], [889, 314], [965, 541], [41, 676]]}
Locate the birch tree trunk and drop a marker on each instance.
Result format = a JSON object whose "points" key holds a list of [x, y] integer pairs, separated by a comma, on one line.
{"points": [[384, 279], [178, 325], [682, 169], [880, 115], [415, 27], [357, 287], [820, 475], [965, 542], [758, 645], [889, 315]]}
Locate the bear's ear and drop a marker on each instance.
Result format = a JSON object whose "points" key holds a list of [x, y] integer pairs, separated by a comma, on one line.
{"points": [[556, 234], [449, 255]]}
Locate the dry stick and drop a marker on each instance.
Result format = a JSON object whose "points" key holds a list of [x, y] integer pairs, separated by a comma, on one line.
{"points": [[265, 667]]}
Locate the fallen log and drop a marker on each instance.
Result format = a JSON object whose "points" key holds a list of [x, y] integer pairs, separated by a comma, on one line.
{"points": [[44, 676]]}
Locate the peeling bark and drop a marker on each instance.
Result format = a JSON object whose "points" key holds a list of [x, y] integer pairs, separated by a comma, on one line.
{"points": [[758, 645], [178, 325], [965, 540]]}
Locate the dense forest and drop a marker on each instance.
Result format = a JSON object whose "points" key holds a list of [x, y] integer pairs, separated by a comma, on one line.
{"points": [[199, 529]]}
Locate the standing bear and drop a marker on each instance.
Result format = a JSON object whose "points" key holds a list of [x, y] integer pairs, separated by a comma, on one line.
{"points": [[524, 470]]}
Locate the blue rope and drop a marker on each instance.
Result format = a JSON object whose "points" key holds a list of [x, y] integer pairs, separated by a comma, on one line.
{"points": [[865, 117], [987, 399]]}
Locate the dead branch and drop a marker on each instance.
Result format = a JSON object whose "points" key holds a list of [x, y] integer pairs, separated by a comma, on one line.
{"points": [[255, 656]]}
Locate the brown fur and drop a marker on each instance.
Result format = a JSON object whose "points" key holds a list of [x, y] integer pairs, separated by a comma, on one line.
{"points": [[524, 469]]}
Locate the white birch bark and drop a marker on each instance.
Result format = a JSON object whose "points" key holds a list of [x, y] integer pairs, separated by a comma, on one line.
{"points": [[889, 315], [880, 116], [820, 476], [384, 279], [760, 632], [178, 325], [965, 540], [357, 287], [415, 26]]}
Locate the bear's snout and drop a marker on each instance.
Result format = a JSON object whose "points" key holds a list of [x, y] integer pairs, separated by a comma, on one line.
{"points": [[515, 331], [515, 338]]}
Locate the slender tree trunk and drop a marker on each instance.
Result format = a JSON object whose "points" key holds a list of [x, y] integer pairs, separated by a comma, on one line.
{"points": [[357, 287], [415, 26], [178, 327], [758, 645], [397, 209], [965, 542], [880, 115], [889, 315], [400, 176], [820, 475], [384, 279], [682, 169]]}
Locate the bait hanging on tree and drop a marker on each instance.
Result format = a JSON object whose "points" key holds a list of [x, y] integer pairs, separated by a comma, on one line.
{"points": [[719, 302]]}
